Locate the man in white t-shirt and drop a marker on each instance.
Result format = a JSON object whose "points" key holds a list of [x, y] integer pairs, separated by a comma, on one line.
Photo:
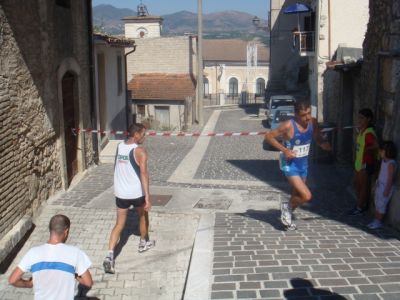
{"points": [[55, 266]]}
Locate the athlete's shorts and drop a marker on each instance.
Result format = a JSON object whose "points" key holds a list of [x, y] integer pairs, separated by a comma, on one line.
{"points": [[294, 171], [381, 202], [126, 203]]}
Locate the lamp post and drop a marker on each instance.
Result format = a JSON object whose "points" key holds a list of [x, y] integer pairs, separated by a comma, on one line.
{"points": [[200, 91], [257, 24]]}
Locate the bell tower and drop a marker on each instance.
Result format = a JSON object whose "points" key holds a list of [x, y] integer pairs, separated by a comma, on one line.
{"points": [[142, 25]]}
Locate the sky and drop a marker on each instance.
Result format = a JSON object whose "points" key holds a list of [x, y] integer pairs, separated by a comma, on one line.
{"points": [[258, 8]]}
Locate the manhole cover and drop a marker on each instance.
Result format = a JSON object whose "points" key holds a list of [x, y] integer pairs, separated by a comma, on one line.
{"points": [[160, 200], [215, 203]]}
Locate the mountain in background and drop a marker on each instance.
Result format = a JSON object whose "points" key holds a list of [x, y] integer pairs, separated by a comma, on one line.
{"points": [[226, 24], [107, 18]]}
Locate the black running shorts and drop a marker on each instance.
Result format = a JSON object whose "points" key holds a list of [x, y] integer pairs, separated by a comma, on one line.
{"points": [[126, 203]]}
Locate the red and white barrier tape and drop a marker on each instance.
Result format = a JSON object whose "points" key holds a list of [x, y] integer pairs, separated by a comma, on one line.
{"points": [[76, 131]]}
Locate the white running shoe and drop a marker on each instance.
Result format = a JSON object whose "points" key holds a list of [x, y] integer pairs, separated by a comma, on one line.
{"points": [[108, 265], [286, 215], [146, 245]]}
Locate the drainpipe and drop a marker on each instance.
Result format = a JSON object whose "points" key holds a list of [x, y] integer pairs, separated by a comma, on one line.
{"points": [[95, 143], [127, 100], [329, 30]]}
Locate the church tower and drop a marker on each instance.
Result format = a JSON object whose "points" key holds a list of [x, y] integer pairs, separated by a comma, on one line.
{"points": [[143, 25]]}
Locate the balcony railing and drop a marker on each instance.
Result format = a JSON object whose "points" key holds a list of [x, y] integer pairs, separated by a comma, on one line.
{"points": [[243, 98], [304, 42]]}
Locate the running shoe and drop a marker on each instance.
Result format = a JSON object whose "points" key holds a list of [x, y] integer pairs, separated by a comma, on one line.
{"points": [[375, 224], [286, 214], [355, 211], [291, 227], [108, 265], [146, 245]]}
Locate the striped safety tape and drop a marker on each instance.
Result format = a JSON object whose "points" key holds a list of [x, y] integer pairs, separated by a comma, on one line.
{"points": [[76, 131]]}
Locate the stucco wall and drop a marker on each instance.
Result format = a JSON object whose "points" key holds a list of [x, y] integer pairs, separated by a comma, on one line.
{"points": [[348, 24], [152, 30], [115, 100], [36, 38], [340, 23]]}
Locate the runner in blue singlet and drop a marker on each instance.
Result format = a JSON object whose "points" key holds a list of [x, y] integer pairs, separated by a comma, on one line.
{"points": [[300, 144], [297, 135]]}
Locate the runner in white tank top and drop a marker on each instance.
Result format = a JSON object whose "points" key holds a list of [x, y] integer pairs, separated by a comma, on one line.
{"points": [[131, 188], [127, 184]]}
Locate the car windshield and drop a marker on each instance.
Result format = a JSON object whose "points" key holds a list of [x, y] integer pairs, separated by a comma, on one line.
{"points": [[282, 102], [283, 115]]}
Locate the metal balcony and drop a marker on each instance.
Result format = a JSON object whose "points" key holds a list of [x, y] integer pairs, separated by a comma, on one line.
{"points": [[304, 42]]}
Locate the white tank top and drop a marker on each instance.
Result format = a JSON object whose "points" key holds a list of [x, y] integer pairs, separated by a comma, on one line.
{"points": [[127, 183]]}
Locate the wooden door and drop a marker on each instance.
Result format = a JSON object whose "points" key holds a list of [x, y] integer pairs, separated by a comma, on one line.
{"points": [[71, 141]]}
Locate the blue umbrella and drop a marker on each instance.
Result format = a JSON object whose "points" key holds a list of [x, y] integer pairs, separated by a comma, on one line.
{"points": [[296, 8]]}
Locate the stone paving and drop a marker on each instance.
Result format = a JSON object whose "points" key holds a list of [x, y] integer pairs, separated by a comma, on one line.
{"points": [[241, 250], [159, 273]]}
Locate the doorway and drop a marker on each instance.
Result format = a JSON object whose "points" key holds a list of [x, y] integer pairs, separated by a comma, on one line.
{"points": [[69, 92], [162, 116]]}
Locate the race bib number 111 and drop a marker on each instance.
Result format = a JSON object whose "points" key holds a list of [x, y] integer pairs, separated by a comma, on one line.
{"points": [[301, 151]]}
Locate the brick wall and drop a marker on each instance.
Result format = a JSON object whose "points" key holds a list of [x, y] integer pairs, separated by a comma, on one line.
{"points": [[161, 55], [35, 37]]}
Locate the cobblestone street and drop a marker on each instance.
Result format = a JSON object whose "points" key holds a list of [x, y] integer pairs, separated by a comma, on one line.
{"points": [[218, 231]]}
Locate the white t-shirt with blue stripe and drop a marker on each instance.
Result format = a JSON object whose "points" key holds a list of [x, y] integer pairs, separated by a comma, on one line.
{"points": [[53, 269]]}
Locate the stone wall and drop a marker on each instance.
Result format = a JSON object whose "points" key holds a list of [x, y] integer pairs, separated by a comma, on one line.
{"points": [[35, 38], [379, 86]]}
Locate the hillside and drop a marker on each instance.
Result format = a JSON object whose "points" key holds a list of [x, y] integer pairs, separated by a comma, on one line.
{"points": [[226, 24]]}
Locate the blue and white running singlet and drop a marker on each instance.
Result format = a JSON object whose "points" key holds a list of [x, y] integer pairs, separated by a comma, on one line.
{"points": [[299, 143]]}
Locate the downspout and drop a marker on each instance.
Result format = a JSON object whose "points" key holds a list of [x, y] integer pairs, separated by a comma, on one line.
{"points": [[95, 143], [128, 102], [329, 30]]}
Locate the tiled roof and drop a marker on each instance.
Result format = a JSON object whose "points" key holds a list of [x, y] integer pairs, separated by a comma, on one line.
{"points": [[160, 86], [231, 50], [114, 40]]}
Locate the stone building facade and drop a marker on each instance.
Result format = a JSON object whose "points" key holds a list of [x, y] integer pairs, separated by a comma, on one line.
{"points": [[44, 91], [379, 86]]}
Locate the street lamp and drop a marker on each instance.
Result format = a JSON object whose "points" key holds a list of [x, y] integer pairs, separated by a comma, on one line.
{"points": [[257, 24]]}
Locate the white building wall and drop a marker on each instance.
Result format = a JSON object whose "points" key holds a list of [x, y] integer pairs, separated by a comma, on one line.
{"points": [[116, 102], [346, 26], [152, 30], [245, 82]]}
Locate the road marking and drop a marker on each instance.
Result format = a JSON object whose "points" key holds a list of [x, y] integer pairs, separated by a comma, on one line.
{"points": [[189, 165]]}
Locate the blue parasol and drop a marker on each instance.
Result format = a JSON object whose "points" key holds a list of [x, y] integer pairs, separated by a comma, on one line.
{"points": [[297, 8]]}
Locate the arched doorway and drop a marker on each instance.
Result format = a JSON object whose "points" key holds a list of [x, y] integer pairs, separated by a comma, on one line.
{"points": [[260, 87], [233, 87], [70, 113]]}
